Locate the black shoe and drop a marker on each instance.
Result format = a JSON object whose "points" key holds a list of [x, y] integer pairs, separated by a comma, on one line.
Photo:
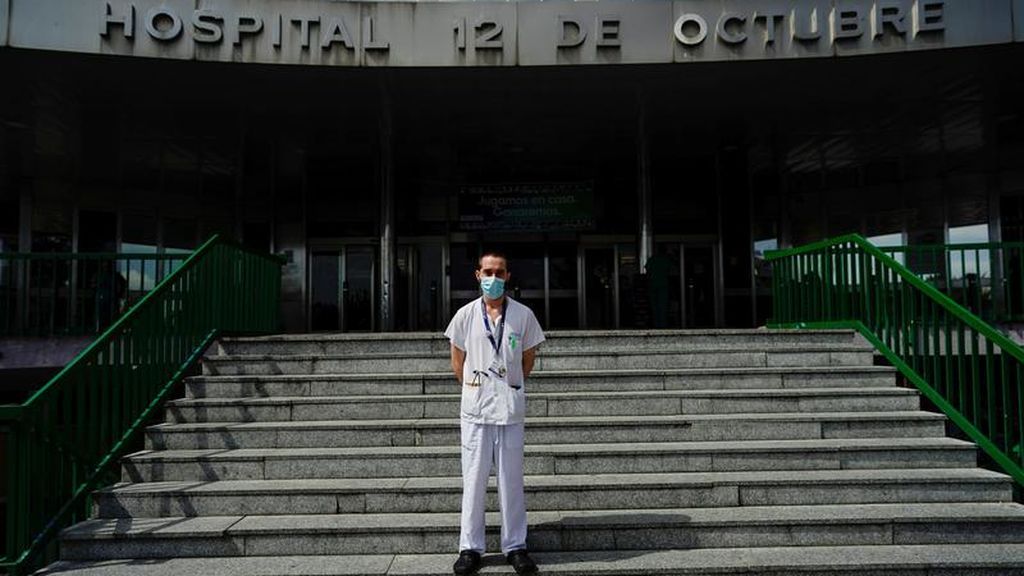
{"points": [[468, 562], [520, 560]]}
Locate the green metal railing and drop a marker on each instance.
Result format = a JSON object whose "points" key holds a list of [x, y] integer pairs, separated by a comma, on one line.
{"points": [[66, 440], [987, 278], [56, 294], [969, 370]]}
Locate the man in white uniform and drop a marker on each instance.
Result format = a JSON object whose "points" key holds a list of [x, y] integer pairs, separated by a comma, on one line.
{"points": [[493, 345]]}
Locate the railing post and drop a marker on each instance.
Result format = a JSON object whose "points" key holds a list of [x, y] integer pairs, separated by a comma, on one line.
{"points": [[827, 281]]}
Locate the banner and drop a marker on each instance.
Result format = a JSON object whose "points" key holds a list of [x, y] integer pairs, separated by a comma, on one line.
{"points": [[527, 207]]}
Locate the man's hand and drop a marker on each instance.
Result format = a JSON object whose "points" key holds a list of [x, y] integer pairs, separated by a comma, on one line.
{"points": [[458, 361], [528, 357]]}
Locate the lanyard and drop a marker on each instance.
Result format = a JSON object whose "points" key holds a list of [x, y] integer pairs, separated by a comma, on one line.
{"points": [[500, 327]]}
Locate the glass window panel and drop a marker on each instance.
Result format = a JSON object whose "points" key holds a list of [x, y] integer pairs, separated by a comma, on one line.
{"points": [[969, 266], [324, 302]]}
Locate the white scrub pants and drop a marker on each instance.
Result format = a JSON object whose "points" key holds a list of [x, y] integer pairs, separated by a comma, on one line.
{"points": [[484, 445]]}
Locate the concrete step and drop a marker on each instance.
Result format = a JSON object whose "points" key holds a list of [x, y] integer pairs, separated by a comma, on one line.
{"points": [[560, 430], [557, 492], [816, 355], [433, 461], [882, 560], [643, 403], [594, 341], [442, 382], [605, 530]]}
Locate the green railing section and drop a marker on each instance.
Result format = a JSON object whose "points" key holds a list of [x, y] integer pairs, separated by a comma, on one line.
{"points": [[66, 440], [969, 370], [58, 294], [985, 278]]}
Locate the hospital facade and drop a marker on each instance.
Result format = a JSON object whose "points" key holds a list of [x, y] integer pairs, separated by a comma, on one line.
{"points": [[634, 160]]}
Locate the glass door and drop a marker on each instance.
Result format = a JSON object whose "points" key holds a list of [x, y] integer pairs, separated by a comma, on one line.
{"points": [[419, 286], [526, 267], [343, 288], [682, 285], [665, 285], [563, 273], [542, 275], [600, 287], [700, 292]]}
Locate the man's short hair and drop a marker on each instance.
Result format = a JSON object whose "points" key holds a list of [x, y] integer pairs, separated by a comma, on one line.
{"points": [[492, 254]]}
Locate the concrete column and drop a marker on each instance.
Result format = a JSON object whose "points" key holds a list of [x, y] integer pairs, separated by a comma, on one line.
{"points": [[645, 228], [388, 250]]}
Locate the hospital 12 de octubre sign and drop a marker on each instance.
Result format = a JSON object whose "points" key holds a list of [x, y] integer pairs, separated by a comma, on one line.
{"points": [[503, 33]]}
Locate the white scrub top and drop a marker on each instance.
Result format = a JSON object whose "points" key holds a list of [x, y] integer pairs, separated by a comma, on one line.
{"points": [[496, 400]]}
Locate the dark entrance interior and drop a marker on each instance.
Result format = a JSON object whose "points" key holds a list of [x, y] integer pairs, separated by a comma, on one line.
{"points": [[736, 156]]}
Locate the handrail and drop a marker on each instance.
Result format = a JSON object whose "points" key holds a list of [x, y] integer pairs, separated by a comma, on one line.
{"points": [[66, 439], [74, 293], [967, 368]]}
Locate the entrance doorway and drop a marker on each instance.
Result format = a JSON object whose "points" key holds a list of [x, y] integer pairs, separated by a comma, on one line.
{"points": [[679, 289], [544, 276], [419, 290], [683, 278], [343, 282]]}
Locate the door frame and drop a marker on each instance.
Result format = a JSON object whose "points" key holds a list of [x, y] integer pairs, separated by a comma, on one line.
{"points": [[341, 245], [405, 242], [599, 241], [698, 241]]}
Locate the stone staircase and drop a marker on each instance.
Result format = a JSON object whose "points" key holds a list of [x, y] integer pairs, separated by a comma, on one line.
{"points": [[710, 452]]}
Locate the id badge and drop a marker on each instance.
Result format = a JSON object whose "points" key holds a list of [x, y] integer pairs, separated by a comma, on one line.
{"points": [[498, 367]]}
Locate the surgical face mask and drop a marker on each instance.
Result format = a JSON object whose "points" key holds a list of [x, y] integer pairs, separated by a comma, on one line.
{"points": [[492, 287]]}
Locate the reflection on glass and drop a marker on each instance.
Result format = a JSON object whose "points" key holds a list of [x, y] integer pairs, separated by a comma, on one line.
{"points": [[970, 268], [888, 241], [526, 268], [562, 266], [463, 265], [428, 287], [562, 280], [600, 287], [967, 262], [632, 295], [664, 286], [325, 278], [358, 288], [700, 287], [763, 268]]}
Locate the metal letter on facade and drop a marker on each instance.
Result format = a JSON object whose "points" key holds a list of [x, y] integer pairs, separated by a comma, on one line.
{"points": [[889, 12], [371, 41], [335, 31], [680, 32], [304, 26], [163, 35], [608, 32], [810, 31], [723, 28], [847, 23], [246, 25], [771, 20], [127, 21], [208, 27], [929, 16], [567, 40], [275, 34]]}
